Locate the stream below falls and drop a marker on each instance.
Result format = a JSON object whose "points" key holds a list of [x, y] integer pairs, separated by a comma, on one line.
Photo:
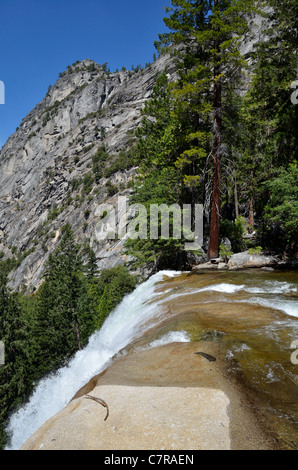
{"points": [[251, 315]]}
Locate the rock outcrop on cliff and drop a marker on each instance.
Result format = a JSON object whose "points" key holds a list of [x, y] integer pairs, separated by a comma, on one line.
{"points": [[47, 167]]}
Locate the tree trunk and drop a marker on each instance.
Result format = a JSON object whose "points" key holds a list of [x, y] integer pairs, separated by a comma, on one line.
{"points": [[236, 202], [296, 134], [215, 207], [251, 204], [236, 198], [296, 115], [235, 192]]}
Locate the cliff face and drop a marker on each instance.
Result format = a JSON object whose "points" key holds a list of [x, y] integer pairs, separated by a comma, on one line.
{"points": [[51, 168], [47, 170]]}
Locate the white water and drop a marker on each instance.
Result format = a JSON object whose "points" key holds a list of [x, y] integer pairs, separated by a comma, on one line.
{"points": [[53, 393], [289, 307], [125, 324], [171, 337], [269, 289]]}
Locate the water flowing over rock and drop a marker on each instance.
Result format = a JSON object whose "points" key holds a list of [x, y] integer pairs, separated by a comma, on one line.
{"points": [[186, 361]]}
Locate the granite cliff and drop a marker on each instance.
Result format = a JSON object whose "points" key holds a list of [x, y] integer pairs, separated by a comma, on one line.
{"points": [[53, 169]]}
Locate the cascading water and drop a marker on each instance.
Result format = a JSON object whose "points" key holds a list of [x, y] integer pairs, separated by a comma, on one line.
{"points": [[52, 393], [253, 316], [266, 294]]}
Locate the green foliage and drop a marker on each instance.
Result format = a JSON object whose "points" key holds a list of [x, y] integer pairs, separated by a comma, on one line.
{"points": [[15, 373], [42, 331], [255, 251], [158, 180], [111, 189], [98, 162], [99, 113], [156, 146], [180, 136], [88, 181], [87, 148], [75, 184], [282, 208], [53, 212], [106, 165], [112, 285], [9, 264], [185, 125], [87, 213], [58, 301], [158, 254], [121, 162], [234, 231], [224, 252], [270, 120]]}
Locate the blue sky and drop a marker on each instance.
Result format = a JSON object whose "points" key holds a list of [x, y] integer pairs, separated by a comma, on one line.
{"points": [[40, 38]]}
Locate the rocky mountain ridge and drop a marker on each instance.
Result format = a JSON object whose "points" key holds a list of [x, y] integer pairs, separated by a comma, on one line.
{"points": [[68, 156]]}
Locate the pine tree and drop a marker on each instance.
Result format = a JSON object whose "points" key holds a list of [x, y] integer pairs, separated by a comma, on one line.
{"points": [[58, 324], [205, 37], [274, 70], [159, 180], [14, 374], [110, 288], [157, 132], [271, 120]]}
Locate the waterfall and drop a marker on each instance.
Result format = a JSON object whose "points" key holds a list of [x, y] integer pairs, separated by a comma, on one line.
{"points": [[262, 347], [126, 323]]}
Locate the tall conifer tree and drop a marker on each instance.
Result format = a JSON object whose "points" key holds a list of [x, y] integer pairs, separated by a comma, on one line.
{"points": [[205, 37], [58, 325]]}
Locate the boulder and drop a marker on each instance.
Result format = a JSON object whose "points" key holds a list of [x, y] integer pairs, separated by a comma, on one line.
{"points": [[226, 243], [245, 260], [208, 265], [222, 266]]}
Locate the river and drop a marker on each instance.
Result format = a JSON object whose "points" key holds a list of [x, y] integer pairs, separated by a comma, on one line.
{"points": [[253, 318], [251, 315]]}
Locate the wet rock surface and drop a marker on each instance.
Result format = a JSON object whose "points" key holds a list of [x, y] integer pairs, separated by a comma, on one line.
{"points": [[163, 398]]}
